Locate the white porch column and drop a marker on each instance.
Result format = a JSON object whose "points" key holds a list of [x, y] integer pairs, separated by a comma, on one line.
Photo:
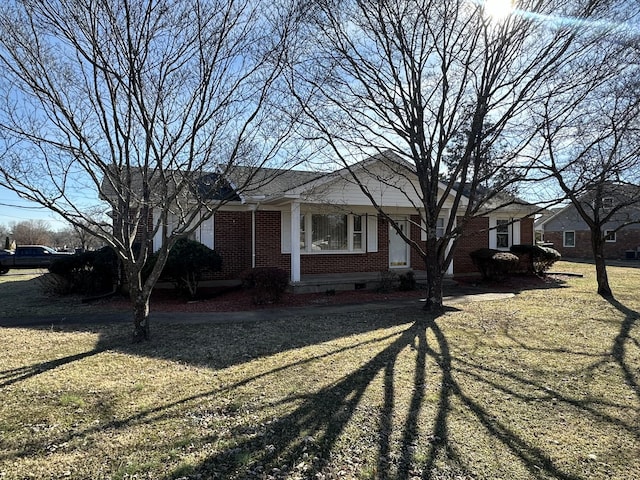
{"points": [[157, 238], [295, 241], [450, 268]]}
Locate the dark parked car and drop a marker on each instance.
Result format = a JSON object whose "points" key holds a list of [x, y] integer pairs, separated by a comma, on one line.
{"points": [[28, 256]]}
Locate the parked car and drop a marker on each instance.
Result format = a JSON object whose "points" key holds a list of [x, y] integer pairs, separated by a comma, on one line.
{"points": [[28, 256]]}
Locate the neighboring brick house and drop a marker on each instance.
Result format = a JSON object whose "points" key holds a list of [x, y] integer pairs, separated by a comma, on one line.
{"points": [[569, 234], [310, 223]]}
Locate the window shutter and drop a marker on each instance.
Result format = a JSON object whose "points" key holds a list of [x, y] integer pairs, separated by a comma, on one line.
{"points": [[516, 240], [285, 231], [372, 233]]}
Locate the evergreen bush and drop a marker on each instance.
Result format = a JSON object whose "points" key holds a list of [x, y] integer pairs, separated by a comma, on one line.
{"points": [[267, 284]]}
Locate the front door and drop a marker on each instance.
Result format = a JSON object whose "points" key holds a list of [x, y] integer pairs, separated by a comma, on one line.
{"points": [[398, 248]]}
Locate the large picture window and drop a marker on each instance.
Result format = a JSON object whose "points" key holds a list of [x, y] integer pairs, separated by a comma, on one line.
{"points": [[333, 232], [328, 232]]}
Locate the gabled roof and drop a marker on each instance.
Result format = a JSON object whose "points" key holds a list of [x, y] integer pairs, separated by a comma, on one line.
{"points": [[626, 194], [268, 182], [209, 186]]}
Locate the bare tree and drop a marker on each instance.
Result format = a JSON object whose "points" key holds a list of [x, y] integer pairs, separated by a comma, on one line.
{"points": [[75, 237], [140, 107], [32, 232], [415, 77], [591, 147]]}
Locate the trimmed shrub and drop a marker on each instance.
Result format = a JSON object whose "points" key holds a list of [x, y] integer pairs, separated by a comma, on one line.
{"points": [[387, 281], [407, 281], [267, 284], [87, 272], [55, 285], [494, 264], [539, 259], [187, 263]]}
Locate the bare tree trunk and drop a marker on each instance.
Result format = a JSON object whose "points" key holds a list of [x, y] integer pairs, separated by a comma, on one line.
{"points": [[139, 296], [597, 244], [434, 301], [141, 331]]}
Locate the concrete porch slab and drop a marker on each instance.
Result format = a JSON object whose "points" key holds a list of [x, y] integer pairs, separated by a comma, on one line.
{"points": [[323, 283]]}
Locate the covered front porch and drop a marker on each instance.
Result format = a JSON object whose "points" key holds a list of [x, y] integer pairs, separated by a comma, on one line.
{"points": [[332, 282]]}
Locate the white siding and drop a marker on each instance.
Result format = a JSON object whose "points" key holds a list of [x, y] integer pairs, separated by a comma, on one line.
{"points": [[372, 233]]}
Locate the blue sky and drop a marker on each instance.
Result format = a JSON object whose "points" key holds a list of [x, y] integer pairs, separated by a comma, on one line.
{"points": [[14, 209]]}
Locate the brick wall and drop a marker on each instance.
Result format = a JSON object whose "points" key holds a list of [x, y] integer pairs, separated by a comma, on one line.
{"points": [[475, 236], [268, 242], [416, 262], [233, 242], [526, 231], [625, 240]]}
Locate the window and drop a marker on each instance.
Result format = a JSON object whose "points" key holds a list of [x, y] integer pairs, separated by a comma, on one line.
{"points": [[502, 233], [328, 232], [302, 232], [607, 203], [357, 233], [335, 232], [609, 236], [569, 239], [440, 228]]}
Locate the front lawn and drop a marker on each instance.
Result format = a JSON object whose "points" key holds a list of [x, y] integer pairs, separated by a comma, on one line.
{"points": [[543, 385]]}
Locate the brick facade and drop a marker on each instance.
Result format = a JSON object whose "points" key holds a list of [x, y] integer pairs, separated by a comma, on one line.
{"points": [[233, 243], [626, 240], [526, 231], [476, 236], [269, 241], [232, 240]]}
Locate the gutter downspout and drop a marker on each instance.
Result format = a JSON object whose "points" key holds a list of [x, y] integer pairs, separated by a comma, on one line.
{"points": [[254, 208]]}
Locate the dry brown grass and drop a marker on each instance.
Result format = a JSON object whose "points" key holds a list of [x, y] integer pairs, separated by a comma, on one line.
{"points": [[543, 385]]}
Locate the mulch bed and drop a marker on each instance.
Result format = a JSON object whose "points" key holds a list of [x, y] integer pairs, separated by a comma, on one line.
{"points": [[233, 300]]}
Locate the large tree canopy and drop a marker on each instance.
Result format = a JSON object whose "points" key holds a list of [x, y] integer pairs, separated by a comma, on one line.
{"points": [[590, 146], [127, 104], [448, 88]]}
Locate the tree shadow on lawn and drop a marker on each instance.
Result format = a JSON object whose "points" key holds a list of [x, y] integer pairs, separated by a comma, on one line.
{"points": [[625, 340], [304, 440]]}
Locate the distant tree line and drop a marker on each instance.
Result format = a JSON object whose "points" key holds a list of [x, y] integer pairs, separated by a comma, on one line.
{"points": [[40, 232]]}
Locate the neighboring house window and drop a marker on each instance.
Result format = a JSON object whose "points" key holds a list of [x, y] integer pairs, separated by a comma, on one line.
{"points": [[607, 203], [502, 233], [609, 236], [569, 239], [333, 232]]}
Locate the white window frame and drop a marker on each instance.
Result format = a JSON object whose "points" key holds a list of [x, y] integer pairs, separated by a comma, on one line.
{"points": [[564, 239], [507, 224], [607, 203], [610, 233], [307, 217], [440, 227]]}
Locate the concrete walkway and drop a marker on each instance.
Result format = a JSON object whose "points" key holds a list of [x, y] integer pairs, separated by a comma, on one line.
{"points": [[457, 297]]}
